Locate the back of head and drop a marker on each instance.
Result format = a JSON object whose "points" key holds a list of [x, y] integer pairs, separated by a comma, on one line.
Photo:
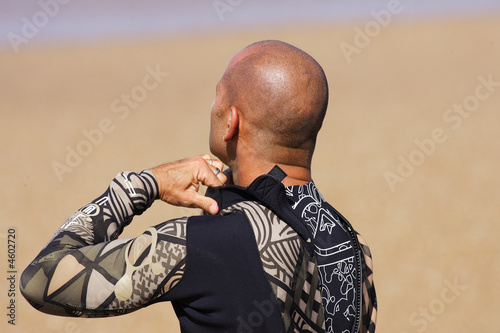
{"points": [[281, 91]]}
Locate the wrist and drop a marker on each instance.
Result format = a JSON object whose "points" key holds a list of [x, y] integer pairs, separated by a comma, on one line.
{"points": [[149, 175]]}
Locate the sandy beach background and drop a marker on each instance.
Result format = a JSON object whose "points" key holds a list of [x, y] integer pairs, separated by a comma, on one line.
{"points": [[409, 152]]}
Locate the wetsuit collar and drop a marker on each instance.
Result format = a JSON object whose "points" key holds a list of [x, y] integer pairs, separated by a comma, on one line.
{"points": [[268, 190]]}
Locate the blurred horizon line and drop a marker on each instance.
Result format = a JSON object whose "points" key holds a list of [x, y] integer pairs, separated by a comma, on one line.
{"points": [[42, 22]]}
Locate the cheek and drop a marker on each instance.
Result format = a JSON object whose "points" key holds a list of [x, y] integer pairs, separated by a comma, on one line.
{"points": [[213, 123], [217, 130], [216, 116], [214, 131]]}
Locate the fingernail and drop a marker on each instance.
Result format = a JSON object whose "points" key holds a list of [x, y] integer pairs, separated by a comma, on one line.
{"points": [[213, 209]]}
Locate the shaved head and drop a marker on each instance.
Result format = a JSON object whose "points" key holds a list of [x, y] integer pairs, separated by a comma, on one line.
{"points": [[281, 92]]}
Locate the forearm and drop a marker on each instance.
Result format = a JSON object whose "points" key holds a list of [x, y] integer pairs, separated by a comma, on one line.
{"points": [[104, 218], [85, 270], [86, 232]]}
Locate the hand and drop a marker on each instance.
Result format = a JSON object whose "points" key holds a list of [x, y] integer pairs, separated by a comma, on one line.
{"points": [[179, 182]]}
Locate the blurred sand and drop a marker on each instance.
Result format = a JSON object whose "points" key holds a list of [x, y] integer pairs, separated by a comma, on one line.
{"points": [[435, 228]]}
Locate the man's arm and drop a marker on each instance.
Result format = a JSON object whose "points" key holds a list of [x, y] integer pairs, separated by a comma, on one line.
{"points": [[85, 270]]}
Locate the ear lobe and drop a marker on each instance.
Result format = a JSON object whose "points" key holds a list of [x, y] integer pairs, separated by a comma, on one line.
{"points": [[232, 124]]}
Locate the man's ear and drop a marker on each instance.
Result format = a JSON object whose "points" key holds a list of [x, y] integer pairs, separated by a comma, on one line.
{"points": [[233, 124]]}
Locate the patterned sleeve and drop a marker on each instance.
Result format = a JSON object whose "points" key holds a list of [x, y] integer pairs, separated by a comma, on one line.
{"points": [[85, 270]]}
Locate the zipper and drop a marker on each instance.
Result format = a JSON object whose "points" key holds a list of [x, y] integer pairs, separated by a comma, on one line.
{"points": [[357, 256], [359, 272]]}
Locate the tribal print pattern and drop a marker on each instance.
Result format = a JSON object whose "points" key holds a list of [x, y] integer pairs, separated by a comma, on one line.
{"points": [[369, 310], [86, 271], [336, 262], [290, 269], [335, 256]]}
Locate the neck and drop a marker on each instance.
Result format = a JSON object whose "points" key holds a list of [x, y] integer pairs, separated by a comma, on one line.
{"points": [[245, 173], [295, 175], [247, 163]]}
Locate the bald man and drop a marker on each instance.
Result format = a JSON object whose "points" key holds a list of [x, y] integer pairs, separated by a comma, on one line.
{"points": [[270, 255]]}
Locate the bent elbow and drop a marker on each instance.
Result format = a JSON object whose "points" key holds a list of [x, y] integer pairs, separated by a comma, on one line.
{"points": [[32, 286]]}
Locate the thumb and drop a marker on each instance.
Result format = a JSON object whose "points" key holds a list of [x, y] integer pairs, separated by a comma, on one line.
{"points": [[209, 205]]}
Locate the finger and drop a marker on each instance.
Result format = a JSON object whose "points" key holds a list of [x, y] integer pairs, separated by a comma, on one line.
{"points": [[218, 164], [222, 177], [208, 178], [209, 205], [213, 163], [218, 168], [207, 158]]}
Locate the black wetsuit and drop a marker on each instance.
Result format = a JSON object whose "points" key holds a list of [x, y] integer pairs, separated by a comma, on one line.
{"points": [[275, 259]]}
